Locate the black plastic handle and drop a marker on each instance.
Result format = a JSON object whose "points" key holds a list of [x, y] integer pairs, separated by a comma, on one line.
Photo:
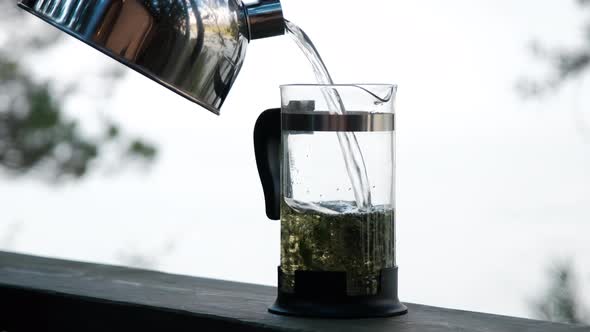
{"points": [[267, 147]]}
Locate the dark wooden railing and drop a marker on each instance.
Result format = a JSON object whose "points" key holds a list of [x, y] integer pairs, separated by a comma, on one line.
{"points": [[41, 294]]}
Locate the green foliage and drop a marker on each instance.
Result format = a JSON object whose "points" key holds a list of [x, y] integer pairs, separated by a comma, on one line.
{"points": [[564, 63], [141, 149], [561, 302], [34, 132], [36, 136]]}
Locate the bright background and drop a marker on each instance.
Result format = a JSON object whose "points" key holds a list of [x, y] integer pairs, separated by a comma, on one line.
{"points": [[491, 190]]}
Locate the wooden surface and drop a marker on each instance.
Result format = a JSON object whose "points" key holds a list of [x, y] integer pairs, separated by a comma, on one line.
{"points": [[50, 294]]}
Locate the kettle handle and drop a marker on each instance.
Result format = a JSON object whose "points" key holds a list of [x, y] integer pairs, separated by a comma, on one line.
{"points": [[267, 148]]}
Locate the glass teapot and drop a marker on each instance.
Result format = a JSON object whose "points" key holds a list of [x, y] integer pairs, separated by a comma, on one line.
{"points": [[337, 245]]}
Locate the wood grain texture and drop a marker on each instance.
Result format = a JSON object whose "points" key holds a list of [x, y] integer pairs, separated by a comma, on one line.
{"points": [[50, 294]]}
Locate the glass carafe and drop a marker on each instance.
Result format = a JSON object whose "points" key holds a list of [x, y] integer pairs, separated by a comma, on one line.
{"points": [[336, 199]]}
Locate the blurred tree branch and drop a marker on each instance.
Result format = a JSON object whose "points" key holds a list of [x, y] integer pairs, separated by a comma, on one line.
{"points": [[561, 301], [36, 136], [565, 64]]}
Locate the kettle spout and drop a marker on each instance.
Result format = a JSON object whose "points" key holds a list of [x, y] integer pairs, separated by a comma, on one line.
{"points": [[265, 19]]}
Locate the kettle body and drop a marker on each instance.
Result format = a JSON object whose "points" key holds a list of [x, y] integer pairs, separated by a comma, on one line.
{"points": [[193, 47]]}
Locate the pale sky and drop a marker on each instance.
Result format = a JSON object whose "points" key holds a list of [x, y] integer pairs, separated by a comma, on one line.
{"points": [[491, 189]]}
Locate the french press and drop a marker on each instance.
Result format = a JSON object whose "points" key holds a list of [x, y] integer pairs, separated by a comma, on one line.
{"points": [[337, 241]]}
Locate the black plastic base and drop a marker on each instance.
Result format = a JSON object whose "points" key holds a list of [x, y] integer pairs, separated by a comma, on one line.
{"points": [[323, 294]]}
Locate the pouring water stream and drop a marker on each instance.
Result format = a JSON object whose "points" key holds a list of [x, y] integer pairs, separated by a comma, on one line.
{"points": [[351, 152]]}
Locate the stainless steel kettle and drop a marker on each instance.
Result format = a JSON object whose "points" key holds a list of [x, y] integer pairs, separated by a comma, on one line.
{"points": [[193, 47]]}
